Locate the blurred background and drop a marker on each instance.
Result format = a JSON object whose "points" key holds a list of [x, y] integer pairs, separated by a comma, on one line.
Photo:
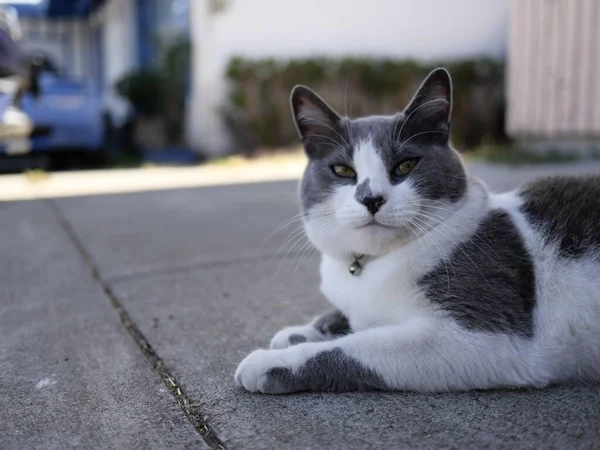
{"points": [[121, 83]]}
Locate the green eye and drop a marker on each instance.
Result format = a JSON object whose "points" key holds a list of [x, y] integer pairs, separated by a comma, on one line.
{"points": [[343, 171], [405, 167]]}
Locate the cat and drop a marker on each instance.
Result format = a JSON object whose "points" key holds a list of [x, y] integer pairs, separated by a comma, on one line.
{"points": [[438, 284]]}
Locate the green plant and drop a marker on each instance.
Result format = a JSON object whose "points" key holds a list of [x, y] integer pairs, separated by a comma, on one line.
{"points": [[174, 66], [144, 88], [257, 110], [160, 91]]}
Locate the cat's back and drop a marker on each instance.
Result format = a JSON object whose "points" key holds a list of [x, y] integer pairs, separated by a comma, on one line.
{"points": [[565, 210]]}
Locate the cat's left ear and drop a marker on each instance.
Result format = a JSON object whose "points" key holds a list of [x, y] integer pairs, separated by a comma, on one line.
{"points": [[430, 109], [317, 123]]}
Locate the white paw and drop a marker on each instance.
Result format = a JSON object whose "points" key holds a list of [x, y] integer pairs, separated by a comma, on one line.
{"points": [[295, 335], [253, 372]]}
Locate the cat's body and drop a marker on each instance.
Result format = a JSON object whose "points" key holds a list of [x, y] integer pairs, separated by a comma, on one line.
{"points": [[459, 288]]}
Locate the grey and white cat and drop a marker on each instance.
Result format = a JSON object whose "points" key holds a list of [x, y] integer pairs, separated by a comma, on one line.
{"points": [[438, 284]]}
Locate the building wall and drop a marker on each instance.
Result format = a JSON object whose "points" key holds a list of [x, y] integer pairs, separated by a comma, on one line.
{"points": [[554, 70], [425, 29], [118, 35]]}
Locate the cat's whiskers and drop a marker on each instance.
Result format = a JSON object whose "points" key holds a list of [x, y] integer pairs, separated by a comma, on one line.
{"points": [[437, 245], [327, 126], [457, 245], [325, 229], [469, 237], [406, 120], [281, 226], [419, 134], [335, 144]]}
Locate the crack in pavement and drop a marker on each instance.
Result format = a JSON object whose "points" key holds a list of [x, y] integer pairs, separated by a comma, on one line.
{"points": [[189, 408]]}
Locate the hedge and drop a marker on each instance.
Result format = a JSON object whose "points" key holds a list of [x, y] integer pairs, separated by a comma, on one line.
{"points": [[257, 110]]}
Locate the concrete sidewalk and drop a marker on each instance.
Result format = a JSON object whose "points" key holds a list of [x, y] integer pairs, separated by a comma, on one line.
{"points": [[125, 316]]}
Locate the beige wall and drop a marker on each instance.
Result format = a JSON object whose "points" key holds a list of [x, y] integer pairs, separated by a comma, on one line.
{"points": [[554, 69]]}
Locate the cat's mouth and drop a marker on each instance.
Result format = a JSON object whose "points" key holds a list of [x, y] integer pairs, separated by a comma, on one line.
{"points": [[373, 224]]}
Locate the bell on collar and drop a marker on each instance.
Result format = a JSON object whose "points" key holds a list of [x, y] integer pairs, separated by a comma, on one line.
{"points": [[356, 267]]}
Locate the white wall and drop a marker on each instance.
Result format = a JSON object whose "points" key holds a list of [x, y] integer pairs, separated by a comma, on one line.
{"points": [[421, 29], [118, 17]]}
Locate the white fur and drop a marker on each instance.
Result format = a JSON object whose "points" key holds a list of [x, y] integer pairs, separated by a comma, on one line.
{"points": [[282, 338], [402, 337]]}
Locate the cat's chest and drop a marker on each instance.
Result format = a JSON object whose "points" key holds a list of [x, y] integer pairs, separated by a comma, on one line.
{"points": [[385, 292]]}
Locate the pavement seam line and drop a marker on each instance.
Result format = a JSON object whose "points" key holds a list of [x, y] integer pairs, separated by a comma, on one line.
{"points": [[187, 406]]}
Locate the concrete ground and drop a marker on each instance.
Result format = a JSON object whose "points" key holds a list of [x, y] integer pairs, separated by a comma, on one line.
{"points": [[124, 316]]}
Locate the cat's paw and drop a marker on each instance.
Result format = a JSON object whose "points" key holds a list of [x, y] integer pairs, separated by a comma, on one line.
{"points": [[295, 335], [262, 370]]}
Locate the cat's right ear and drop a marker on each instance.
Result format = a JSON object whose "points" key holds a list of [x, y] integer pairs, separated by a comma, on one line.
{"points": [[315, 120]]}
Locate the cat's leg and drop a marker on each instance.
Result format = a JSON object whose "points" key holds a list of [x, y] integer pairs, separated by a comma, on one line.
{"points": [[323, 328], [420, 356]]}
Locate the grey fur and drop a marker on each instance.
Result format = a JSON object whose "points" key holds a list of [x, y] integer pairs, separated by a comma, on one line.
{"points": [[565, 210], [489, 284], [363, 190], [333, 323], [297, 339], [421, 131], [328, 371]]}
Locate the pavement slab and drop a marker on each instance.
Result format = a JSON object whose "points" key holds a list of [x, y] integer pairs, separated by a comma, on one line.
{"points": [[70, 374], [131, 233]]}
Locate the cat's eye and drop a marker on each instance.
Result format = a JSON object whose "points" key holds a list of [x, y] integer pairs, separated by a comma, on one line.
{"points": [[343, 171], [405, 167]]}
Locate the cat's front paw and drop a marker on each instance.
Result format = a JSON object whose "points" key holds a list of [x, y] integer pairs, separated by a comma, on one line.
{"points": [[295, 335], [264, 370]]}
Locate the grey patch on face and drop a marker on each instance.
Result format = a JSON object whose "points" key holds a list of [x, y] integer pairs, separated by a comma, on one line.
{"points": [[328, 371], [363, 190], [334, 322], [566, 210], [297, 339], [489, 284]]}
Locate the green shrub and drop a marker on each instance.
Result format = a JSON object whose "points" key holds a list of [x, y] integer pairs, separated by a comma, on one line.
{"points": [[257, 111], [144, 89]]}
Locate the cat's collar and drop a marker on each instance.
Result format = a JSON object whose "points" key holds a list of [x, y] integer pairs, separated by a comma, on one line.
{"points": [[355, 268]]}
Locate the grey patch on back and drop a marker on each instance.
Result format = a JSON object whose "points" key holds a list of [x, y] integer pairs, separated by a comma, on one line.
{"points": [[489, 284], [333, 322], [566, 210], [328, 371], [297, 339]]}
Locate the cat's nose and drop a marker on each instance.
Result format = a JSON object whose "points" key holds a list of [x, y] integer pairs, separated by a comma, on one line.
{"points": [[373, 203]]}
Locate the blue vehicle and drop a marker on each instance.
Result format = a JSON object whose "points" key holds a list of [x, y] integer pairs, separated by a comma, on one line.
{"points": [[68, 115]]}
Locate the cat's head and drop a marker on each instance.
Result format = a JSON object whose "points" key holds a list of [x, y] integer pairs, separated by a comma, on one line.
{"points": [[376, 182]]}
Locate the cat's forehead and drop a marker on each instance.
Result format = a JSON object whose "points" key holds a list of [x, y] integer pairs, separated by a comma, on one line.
{"points": [[376, 134], [376, 128]]}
